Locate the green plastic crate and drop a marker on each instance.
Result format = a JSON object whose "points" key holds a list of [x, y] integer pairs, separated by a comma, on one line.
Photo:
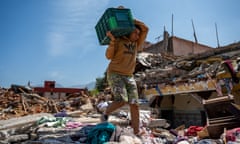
{"points": [[118, 21]]}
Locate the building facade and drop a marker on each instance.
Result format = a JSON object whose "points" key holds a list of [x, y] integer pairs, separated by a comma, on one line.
{"points": [[50, 91]]}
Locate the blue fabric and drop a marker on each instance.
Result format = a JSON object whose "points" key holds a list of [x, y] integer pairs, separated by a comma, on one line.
{"points": [[227, 85], [61, 114], [101, 133], [158, 90]]}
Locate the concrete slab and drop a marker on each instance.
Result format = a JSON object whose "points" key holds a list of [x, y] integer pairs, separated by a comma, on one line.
{"points": [[21, 121]]}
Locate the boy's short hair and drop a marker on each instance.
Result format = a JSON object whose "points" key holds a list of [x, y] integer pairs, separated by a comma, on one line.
{"points": [[138, 27]]}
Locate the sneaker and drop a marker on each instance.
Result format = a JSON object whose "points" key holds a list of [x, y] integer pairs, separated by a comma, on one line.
{"points": [[104, 118]]}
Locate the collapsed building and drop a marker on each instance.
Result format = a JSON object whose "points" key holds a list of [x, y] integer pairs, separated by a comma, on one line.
{"points": [[192, 84]]}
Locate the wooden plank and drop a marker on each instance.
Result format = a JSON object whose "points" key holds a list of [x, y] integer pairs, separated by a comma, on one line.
{"points": [[218, 99]]}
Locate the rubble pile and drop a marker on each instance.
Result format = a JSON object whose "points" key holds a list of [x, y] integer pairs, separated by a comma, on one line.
{"points": [[19, 104], [17, 101], [27, 117], [164, 68], [22, 121], [155, 68], [45, 128]]}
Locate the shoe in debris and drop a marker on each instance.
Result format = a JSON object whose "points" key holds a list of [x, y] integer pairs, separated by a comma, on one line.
{"points": [[104, 118]]}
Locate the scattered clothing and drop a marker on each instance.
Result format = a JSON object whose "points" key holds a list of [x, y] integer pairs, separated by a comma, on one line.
{"points": [[53, 121], [101, 133], [192, 130]]}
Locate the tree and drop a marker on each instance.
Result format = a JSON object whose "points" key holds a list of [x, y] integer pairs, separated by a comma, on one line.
{"points": [[101, 83]]}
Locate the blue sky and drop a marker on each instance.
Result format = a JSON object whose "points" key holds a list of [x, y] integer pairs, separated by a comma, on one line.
{"points": [[56, 39]]}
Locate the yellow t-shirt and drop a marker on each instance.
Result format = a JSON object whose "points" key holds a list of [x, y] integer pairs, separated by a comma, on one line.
{"points": [[122, 52], [123, 59]]}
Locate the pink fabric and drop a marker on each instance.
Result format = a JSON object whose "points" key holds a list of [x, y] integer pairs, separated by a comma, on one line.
{"points": [[192, 130], [231, 134], [229, 64], [72, 125]]}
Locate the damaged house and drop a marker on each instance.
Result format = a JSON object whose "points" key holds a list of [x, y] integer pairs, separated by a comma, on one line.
{"points": [[51, 91], [191, 84]]}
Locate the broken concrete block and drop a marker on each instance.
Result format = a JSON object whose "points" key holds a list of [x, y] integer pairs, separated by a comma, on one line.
{"points": [[17, 138], [21, 121], [157, 123]]}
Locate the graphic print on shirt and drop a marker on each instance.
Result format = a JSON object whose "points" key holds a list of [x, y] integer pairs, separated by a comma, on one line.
{"points": [[130, 48]]}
